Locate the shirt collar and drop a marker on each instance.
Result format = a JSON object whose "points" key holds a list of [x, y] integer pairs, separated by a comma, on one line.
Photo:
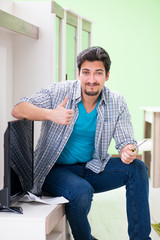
{"points": [[104, 96], [77, 91]]}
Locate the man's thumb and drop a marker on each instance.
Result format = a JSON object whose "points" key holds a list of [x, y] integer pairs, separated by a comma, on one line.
{"points": [[63, 104]]}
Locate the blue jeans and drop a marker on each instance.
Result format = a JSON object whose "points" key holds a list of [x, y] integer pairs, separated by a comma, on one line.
{"points": [[78, 184]]}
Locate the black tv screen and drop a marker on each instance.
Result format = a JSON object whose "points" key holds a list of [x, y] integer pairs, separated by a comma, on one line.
{"points": [[18, 162]]}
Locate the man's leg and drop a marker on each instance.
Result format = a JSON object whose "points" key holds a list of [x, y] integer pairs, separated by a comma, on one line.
{"points": [[135, 177], [67, 181]]}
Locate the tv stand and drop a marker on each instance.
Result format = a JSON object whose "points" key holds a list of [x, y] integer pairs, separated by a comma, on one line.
{"points": [[38, 221], [18, 210]]}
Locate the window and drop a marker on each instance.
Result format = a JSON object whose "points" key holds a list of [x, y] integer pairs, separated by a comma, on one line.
{"points": [[85, 39], [86, 34], [73, 34]]}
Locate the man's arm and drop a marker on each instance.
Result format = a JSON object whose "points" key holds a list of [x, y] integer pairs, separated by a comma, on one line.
{"points": [[59, 115], [127, 156]]}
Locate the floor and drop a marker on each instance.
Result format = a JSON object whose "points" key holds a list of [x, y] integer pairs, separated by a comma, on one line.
{"points": [[114, 226]]}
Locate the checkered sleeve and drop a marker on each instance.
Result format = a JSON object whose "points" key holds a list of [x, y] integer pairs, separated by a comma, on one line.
{"points": [[123, 134], [41, 99]]}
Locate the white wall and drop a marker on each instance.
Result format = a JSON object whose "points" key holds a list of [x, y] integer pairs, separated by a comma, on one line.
{"points": [[32, 57], [6, 82], [6, 5], [25, 63]]}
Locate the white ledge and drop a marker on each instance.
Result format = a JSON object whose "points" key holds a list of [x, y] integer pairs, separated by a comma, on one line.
{"points": [[15, 24]]}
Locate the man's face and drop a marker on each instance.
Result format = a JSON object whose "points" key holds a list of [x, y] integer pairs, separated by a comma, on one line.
{"points": [[93, 77]]}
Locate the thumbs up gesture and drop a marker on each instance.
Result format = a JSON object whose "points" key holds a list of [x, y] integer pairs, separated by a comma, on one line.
{"points": [[63, 104], [61, 115]]}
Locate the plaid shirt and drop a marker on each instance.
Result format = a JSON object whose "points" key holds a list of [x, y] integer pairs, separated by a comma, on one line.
{"points": [[113, 121]]}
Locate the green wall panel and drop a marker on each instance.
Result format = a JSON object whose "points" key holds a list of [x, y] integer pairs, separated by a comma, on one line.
{"points": [[70, 52]]}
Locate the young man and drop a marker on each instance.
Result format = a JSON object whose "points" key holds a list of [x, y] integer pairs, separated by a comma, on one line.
{"points": [[71, 158]]}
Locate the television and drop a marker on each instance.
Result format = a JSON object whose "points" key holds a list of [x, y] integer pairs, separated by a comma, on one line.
{"points": [[18, 163]]}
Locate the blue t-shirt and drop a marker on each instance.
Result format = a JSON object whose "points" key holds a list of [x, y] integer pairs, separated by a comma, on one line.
{"points": [[80, 146]]}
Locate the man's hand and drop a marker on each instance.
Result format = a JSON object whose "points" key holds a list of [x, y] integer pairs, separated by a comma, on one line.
{"points": [[127, 156], [61, 115]]}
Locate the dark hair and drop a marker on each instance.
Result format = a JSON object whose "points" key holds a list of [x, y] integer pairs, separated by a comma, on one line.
{"points": [[94, 54]]}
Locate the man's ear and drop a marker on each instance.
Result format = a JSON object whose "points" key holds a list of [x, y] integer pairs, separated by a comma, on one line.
{"points": [[107, 77]]}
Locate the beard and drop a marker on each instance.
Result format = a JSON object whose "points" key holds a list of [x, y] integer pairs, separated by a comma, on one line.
{"points": [[90, 93]]}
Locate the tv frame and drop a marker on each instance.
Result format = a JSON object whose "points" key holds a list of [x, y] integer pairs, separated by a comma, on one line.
{"points": [[6, 198]]}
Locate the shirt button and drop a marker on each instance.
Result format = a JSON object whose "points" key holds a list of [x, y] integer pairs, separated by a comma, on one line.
{"points": [[57, 152], [49, 166]]}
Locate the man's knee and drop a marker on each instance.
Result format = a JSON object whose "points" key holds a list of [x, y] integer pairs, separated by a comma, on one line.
{"points": [[81, 195], [141, 168]]}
